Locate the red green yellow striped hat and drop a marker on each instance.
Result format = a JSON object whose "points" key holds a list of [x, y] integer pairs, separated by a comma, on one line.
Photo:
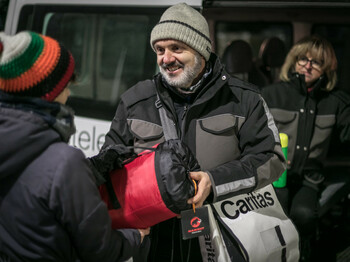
{"points": [[34, 65]]}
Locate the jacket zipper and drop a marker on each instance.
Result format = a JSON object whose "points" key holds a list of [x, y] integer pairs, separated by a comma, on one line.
{"points": [[183, 118]]}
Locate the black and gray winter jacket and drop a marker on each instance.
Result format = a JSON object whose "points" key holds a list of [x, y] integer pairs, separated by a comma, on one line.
{"points": [[227, 126], [50, 208], [308, 118]]}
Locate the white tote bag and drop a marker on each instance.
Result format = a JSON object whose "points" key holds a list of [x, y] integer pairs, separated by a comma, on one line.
{"points": [[258, 224]]}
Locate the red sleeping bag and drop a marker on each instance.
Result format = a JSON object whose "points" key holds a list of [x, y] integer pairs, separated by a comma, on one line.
{"points": [[153, 187]]}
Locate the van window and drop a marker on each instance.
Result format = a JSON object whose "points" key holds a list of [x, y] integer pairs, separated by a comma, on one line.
{"points": [[253, 33], [110, 46], [3, 13], [339, 37]]}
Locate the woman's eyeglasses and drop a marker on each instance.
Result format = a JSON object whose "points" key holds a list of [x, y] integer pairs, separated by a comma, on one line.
{"points": [[303, 60]]}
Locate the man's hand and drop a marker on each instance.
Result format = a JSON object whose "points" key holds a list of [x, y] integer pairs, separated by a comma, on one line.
{"points": [[143, 233], [204, 188]]}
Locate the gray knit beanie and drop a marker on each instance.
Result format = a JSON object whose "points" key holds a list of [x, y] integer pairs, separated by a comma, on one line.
{"points": [[183, 23]]}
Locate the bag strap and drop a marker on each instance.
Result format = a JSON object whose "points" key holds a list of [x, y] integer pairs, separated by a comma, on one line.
{"points": [[111, 194], [169, 129]]}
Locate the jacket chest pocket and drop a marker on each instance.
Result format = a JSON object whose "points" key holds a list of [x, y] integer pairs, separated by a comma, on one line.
{"points": [[216, 140], [287, 122], [146, 134], [323, 129]]}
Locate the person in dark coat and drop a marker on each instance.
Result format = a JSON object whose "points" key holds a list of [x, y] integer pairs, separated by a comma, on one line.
{"points": [[50, 207], [222, 119], [308, 108]]}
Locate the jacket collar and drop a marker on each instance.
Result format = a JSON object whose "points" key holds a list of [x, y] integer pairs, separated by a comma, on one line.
{"points": [[58, 116], [298, 81]]}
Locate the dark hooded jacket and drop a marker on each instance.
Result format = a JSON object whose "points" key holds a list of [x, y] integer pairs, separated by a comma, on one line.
{"points": [[227, 126], [308, 118], [50, 208]]}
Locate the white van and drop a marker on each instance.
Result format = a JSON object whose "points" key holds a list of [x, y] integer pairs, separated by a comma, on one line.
{"points": [[109, 40]]}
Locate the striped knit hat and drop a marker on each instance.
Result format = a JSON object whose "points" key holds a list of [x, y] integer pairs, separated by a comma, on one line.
{"points": [[183, 23], [34, 65]]}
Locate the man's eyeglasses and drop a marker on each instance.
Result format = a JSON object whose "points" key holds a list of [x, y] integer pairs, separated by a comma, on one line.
{"points": [[303, 60]]}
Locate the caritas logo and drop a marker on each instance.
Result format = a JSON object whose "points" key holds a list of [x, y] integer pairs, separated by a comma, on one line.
{"points": [[195, 222]]}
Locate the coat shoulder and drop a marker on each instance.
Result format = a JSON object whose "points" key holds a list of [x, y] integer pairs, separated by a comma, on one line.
{"points": [[140, 91], [343, 96], [238, 83]]}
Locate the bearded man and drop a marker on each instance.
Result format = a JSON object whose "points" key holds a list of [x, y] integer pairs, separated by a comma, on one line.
{"points": [[223, 120]]}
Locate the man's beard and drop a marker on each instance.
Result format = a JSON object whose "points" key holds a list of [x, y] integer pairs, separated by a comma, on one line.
{"points": [[185, 79]]}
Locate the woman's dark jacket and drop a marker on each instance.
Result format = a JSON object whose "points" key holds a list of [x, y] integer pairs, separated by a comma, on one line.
{"points": [[308, 118], [50, 208], [228, 127]]}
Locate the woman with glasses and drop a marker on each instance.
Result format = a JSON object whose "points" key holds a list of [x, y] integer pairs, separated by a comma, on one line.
{"points": [[307, 107]]}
